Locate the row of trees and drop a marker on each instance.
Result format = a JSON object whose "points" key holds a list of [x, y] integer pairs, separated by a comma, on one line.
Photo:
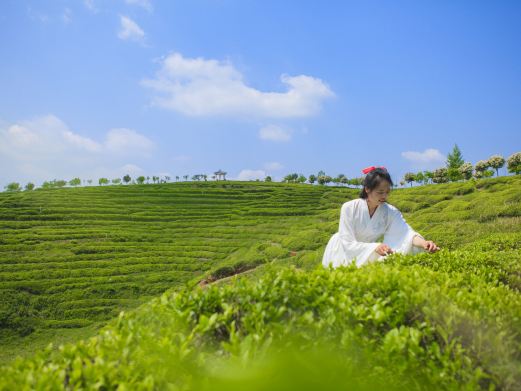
{"points": [[457, 169], [322, 179], [127, 179]]}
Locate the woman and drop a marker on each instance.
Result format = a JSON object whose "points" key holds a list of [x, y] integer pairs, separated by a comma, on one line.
{"points": [[366, 219]]}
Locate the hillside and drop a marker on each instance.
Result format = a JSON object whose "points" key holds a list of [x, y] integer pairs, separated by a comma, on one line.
{"points": [[112, 248], [73, 258]]}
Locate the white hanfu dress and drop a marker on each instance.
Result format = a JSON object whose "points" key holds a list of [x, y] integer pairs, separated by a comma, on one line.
{"points": [[358, 232]]}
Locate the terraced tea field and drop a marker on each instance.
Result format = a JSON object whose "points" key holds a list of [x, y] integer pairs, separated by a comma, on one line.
{"points": [[71, 259]]}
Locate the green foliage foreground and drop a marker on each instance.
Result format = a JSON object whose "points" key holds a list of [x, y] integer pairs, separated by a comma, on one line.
{"points": [[450, 320]]}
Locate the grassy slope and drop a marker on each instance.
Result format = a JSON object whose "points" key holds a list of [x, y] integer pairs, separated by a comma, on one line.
{"points": [[78, 256], [73, 258]]}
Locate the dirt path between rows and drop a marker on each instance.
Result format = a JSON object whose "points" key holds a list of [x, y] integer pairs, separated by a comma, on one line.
{"points": [[213, 280]]}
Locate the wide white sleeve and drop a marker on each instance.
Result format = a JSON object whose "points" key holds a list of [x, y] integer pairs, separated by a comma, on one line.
{"points": [[352, 248], [399, 235]]}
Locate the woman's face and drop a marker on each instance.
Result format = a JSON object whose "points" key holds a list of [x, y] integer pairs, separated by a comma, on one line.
{"points": [[379, 194]]}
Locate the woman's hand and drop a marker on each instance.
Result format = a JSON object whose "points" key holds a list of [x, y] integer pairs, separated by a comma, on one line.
{"points": [[427, 245], [430, 246], [383, 249]]}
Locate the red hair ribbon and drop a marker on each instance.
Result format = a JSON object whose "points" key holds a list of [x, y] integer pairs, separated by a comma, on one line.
{"points": [[367, 170]]}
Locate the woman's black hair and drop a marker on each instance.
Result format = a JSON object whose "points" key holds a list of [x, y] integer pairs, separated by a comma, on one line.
{"points": [[373, 179]]}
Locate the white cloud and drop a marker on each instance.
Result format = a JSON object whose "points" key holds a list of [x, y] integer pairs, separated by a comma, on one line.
{"points": [[427, 158], [67, 16], [44, 135], [89, 4], [273, 166], [275, 133], [129, 30], [37, 15], [251, 175], [81, 142], [200, 87], [45, 149], [146, 4], [128, 141]]}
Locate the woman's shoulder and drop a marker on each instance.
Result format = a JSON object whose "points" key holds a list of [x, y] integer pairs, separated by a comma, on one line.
{"points": [[352, 204], [392, 208]]}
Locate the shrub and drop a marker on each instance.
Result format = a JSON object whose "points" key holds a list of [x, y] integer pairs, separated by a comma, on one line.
{"points": [[437, 321], [440, 175], [514, 163], [496, 162], [481, 166], [409, 177], [466, 171], [13, 186]]}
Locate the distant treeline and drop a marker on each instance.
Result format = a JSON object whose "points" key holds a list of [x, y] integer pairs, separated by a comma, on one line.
{"points": [[127, 179], [456, 169]]}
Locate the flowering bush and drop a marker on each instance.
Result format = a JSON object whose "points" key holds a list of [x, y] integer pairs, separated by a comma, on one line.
{"points": [[482, 165], [514, 163], [466, 171], [496, 162], [440, 175]]}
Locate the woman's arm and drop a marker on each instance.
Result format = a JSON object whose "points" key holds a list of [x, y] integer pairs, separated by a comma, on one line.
{"points": [[402, 238], [427, 245]]}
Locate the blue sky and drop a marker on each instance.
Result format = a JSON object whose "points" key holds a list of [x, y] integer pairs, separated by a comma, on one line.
{"points": [[104, 88]]}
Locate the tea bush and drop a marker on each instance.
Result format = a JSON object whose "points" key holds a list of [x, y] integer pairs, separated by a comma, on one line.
{"points": [[448, 327]]}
